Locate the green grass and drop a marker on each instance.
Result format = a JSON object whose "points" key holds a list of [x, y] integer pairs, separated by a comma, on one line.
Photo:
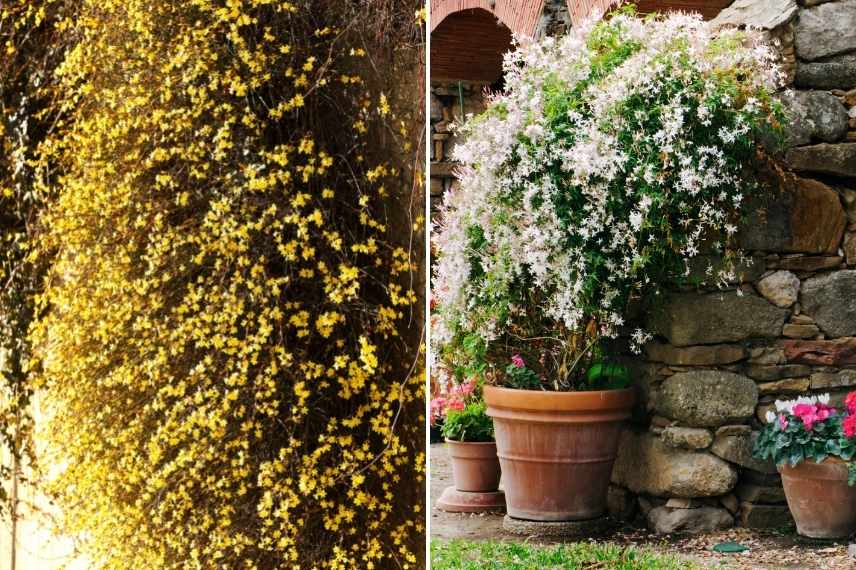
{"points": [[463, 555]]}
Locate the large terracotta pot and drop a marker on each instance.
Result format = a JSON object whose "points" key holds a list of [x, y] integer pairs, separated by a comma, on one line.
{"points": [[822, 503], [557, 449], [475, 466]]}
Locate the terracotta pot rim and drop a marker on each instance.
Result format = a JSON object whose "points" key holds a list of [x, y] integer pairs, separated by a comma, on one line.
{"points": [[447, 440], [831, 464], [512, 398], [832, 459]]}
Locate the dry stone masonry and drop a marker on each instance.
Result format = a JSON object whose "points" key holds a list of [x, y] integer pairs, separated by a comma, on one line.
{"points": [[786, 327], [451, 103]]}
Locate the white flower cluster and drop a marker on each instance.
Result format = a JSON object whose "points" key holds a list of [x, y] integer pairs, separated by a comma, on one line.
{"points": [[554, 199], [788, 405]]}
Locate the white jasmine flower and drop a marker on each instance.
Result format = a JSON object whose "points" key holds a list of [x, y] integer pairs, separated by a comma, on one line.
{"points": [[534, 132], [555, 211]]}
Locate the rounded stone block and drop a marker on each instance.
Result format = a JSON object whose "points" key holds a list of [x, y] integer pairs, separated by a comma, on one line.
{"points": [[838, 72], [788, 222], [686, 438], [828, 299], [813, 115], [647, 465], [758, 14], [707, 398], [780, 288], [838, 352], [665, 520], [825, 30], [737, 449], [695, 355]]}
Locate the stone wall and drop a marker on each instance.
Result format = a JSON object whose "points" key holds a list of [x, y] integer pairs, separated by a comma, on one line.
{"points": [[786, 327], [555, 19], [450, 104]]}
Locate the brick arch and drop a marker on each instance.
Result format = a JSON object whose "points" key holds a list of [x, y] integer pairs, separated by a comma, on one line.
{"points": [[519, 16], [581, 9], [468, 46]]}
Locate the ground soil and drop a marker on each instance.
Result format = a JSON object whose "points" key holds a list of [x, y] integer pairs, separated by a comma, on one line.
{"points": [[768, 550]]}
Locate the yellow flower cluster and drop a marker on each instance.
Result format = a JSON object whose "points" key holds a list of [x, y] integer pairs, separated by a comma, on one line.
{"points": [[229, 335]]}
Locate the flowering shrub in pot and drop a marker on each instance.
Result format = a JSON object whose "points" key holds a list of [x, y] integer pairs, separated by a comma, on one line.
{"points": [[615, 156], [814, 446], [468, 431]]}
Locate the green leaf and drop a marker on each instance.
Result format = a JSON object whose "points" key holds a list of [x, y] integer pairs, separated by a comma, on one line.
{"points": [[833, 447], [796, 456], [608, 376]]}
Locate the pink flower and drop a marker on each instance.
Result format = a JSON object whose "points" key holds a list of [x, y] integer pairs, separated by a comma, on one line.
{"points": [[850, 426], [850, 402], [783, 422], [806, 412], [465, 389], [438, 409], [811, 414], [455, 404], [517, 361]]}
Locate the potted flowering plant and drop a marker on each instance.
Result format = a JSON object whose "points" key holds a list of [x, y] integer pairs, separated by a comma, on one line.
{"points": [[814, 447], [468, 432], [615, 155]]}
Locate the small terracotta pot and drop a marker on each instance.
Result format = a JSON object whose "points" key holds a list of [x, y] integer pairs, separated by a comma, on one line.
{"points": [[475, 466], [821, 501], [557, 449]]}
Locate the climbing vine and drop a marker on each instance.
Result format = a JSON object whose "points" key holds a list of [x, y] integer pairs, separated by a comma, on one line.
{"points": [[227, 336], [29, 50]]}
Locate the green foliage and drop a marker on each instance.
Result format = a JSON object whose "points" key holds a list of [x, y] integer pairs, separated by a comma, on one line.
{"points": [[470, 424], [608, 376], [462, 555], [611, 48], [521, 378], [795, 444]]}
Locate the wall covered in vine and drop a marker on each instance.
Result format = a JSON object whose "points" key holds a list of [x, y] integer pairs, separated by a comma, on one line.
{"points": [[227, 334]]}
